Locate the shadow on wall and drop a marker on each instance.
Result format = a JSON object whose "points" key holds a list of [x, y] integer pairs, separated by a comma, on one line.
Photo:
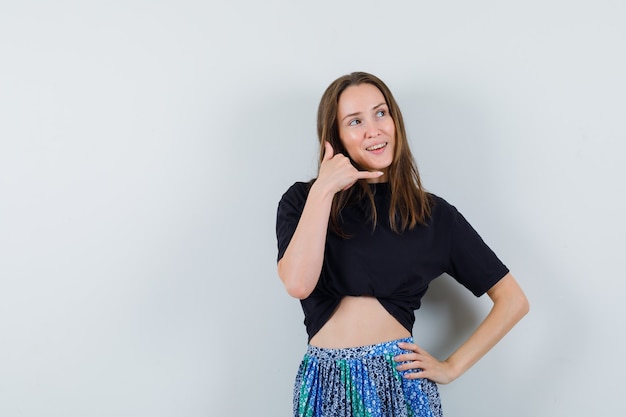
{"points": [[451, 139], [448, 316]]}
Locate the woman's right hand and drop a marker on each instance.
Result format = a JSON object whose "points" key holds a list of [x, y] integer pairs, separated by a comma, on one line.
{"points": [[337, 172], [300, 266]]}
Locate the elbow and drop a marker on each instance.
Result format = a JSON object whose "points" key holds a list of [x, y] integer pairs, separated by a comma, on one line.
{"points": [[297, 291], [294, 286], [509, 296], [520, 305], [524, 306]]}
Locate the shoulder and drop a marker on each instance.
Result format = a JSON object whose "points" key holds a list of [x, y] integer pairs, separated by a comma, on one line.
{"points": [[441, 208], [294, 198], [298, 188], [297, 191]]}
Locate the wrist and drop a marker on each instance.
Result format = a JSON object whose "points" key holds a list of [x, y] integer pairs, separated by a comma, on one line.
{"points": [[322, 191], [454, 371]]}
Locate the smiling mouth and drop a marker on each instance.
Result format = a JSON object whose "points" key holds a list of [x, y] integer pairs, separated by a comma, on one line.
{"points": [[376, 147]]}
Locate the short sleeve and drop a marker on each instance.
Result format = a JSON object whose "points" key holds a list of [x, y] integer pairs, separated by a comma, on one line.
{"points": [[288, 214], [472, 263]]}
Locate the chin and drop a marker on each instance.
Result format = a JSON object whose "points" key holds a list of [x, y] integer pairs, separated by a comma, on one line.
{"points": [[379, 166]]}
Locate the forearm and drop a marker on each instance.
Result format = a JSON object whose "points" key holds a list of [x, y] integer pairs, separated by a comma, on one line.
{"points": [[300, 267], [510, 305]]}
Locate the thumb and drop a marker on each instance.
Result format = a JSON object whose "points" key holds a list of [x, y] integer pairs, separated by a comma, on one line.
{"points": [[328, 151]]}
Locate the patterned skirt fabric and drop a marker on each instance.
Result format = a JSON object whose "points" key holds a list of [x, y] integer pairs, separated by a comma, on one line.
{"points": [[361, 382]]}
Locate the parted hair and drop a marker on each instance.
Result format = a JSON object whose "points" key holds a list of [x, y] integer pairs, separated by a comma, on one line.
{"points": [[410, 204]]}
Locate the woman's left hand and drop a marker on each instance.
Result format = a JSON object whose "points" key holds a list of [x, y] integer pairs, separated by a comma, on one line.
{"points": [[430, 367], [509, 306]]}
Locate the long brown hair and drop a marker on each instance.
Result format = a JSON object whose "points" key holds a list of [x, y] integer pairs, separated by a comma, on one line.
{"points": [[410, 204]]}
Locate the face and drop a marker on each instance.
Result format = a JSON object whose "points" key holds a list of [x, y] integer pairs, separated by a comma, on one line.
{"points": [[366, 128]]}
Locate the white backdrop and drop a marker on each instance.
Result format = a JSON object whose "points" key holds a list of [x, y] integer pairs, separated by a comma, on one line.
{"points": [[144, 146]]}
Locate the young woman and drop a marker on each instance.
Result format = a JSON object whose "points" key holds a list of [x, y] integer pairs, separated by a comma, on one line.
{"points": [[358, 246]]}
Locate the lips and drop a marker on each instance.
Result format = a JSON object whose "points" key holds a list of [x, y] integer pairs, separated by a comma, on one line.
{"points": [[376, 147]]}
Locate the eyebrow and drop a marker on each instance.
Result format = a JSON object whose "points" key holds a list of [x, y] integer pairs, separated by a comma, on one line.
{"points": [[357, 113]]}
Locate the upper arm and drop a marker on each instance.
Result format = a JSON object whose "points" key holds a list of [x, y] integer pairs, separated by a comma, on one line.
{"points": [[508, 291], [288, 215]]}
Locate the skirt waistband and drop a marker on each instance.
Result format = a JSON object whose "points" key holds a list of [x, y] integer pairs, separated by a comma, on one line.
{"points": [[360, 352]]}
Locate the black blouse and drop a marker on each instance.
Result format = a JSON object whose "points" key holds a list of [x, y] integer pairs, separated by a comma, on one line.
{"points": [[394, 268]]}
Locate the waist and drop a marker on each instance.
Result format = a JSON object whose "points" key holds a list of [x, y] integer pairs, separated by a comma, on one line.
{"points": [[388, 348], [359, 321]]}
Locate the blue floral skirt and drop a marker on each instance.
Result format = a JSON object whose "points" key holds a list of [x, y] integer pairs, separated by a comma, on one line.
{"points": [[361, 382]]}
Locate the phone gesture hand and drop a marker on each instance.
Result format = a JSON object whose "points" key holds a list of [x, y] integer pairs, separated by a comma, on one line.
{"points": [[337, 171]]}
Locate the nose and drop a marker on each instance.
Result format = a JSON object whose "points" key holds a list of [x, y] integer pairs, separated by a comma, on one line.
{"points": [[372, 130]]}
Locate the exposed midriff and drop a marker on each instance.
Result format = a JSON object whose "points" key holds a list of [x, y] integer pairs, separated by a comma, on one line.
{"points": [[358, 321]]}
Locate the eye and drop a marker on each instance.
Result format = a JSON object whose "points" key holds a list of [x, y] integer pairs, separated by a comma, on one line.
{"points": [[381, 113], [354, 122]]}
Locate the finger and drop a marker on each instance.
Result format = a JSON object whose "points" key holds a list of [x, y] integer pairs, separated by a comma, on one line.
{"points": [[406, 357], [360, 175], [369, 174], [412, 354], [405, 366], [328, 151], [415, 374], [409, 346]]}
